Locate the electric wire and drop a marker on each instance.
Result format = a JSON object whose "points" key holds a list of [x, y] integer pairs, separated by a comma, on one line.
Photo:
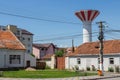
{"points": [[27, 17], [75, 36], [63, 37]]}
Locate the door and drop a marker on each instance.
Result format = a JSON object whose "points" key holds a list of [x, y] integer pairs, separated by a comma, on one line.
{"points": [[28, 63]]}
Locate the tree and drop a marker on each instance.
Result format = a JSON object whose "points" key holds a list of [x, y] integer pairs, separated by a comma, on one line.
{"points": [[59, 53]]}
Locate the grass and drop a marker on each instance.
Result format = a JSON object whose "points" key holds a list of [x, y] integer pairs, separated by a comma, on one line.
{"points": [[44, 74]]}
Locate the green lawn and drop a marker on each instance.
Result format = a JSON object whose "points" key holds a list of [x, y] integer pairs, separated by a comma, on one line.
{"points": [[44, 74]]}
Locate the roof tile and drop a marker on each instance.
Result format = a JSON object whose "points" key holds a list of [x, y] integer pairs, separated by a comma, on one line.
{"points": [[9, 40], [110, 47]]}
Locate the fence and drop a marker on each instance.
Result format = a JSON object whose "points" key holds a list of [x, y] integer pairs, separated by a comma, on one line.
{"points": [[60, 63]]}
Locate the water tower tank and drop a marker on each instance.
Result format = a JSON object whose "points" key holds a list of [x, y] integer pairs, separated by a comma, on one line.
{"points": [[87, 16]]}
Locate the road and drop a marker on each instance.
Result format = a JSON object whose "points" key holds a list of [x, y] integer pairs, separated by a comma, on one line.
{"points": [[116, 78]]}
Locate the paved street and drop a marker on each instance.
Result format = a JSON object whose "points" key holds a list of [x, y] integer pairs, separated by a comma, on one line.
{"points": [[116, 78], [75, 78]]}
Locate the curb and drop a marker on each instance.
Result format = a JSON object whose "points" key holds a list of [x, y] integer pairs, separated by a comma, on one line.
{"points": [[101, 78]]}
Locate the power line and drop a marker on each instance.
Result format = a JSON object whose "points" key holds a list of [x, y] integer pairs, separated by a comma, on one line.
{"points": [[73, 36], [40, 19], [63, 37]]}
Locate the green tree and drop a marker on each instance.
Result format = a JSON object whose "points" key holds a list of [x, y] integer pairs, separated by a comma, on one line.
{"points": [[59, 53]]}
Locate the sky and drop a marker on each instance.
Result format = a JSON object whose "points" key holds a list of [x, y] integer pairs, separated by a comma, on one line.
{"points": [[54, 21]]}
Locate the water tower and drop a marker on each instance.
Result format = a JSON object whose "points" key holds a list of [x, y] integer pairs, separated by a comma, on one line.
{"points": [[87, 16]]}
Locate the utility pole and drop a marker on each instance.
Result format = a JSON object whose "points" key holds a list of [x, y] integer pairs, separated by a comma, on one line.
{"points": [[73, 46], [101, 37]]}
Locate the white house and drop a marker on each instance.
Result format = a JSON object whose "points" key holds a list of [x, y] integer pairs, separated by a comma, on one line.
{"points": [[87, 55], [13, 52]]}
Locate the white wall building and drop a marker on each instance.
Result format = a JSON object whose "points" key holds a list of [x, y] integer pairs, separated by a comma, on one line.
{"points": [[23, 37], [87, 55]]}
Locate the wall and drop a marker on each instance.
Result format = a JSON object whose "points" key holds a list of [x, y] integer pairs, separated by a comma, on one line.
{"points": [[27, 43], [50, 50], [36, 52], [15, 52], [88, 61], [4, 58], [116, 61], [29, 57], [48, 63]]}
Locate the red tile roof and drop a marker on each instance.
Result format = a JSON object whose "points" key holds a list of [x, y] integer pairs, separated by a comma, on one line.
{"points": [[9, 40], [110, 47]]}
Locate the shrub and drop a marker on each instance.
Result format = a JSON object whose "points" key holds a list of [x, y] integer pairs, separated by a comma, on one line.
{"points": [[88, 68], [110, 69], [93, 68], [47, 67], [59, 53], [76, 67], [117, 69], [1, 73], [32, 55], [85, 74]]}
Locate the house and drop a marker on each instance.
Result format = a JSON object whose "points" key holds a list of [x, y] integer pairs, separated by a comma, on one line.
{"points": [[87, 55], [26, 39], [41, 50], [11, 50], [45, 53]]}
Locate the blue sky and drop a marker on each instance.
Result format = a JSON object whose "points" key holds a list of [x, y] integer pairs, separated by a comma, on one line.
{"points": [[58, 10]]}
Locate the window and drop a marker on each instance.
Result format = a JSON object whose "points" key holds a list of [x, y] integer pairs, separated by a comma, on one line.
{"points": [[28, 51], [111, 60], [28, 39], [18, 32], [78, 61], [42, 49], [14, 59], [23, 38], [98, 60], [4, 29]]}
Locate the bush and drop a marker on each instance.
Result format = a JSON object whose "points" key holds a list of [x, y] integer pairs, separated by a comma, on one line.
{"points": [[1, 73], [88, 68], [59, 53], [47, 67], [76, 67], [110, 69], [93, 68], [117, 69]]}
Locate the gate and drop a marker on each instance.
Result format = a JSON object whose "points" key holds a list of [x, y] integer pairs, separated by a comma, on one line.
{"points": [[60, 63]]}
